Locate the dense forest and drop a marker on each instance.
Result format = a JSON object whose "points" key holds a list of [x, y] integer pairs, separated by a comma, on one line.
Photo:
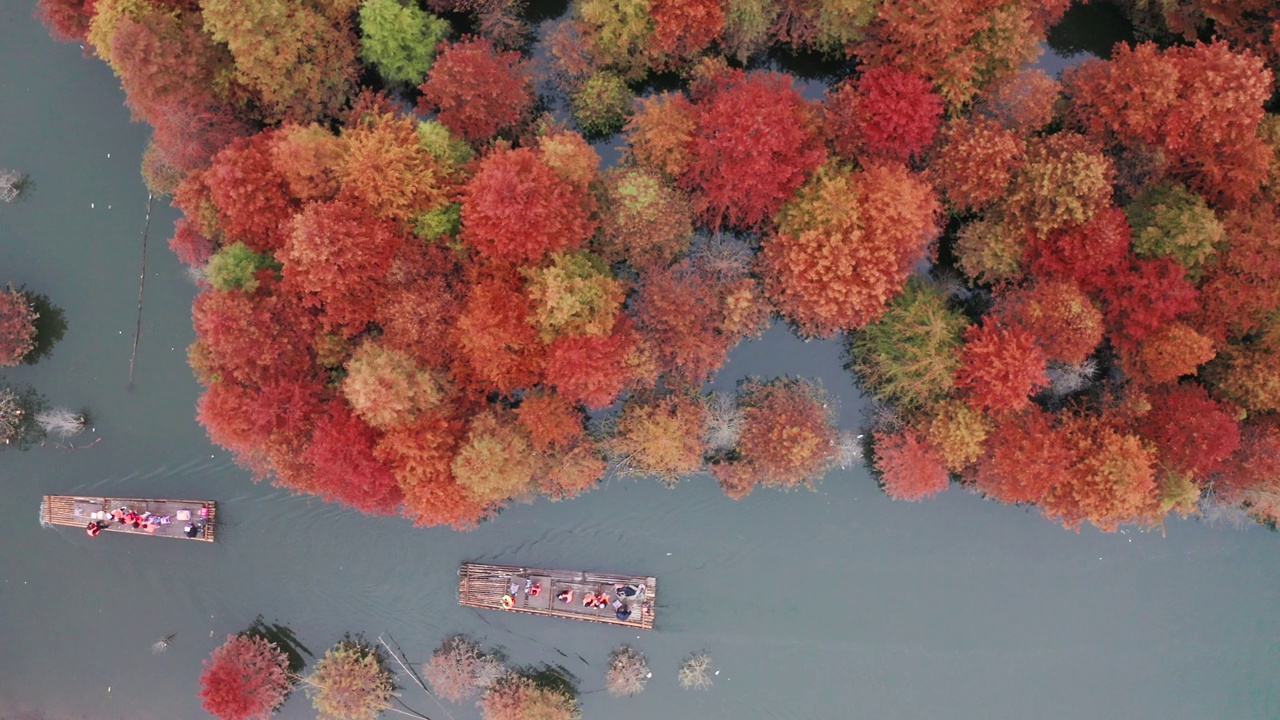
{"points": [[421, 292]]}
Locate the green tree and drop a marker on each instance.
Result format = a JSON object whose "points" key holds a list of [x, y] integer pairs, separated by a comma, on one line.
{"points": [[235, 267], [1170, 221], [910, 355], [602, 105], [400, 40]]}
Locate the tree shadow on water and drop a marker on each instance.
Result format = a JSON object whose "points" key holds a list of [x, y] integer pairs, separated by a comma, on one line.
{"points": [[50, 327], [552, 677], [284, 638]]}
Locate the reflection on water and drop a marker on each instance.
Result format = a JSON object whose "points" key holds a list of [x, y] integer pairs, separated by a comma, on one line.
{"points": [[1091, 28]]}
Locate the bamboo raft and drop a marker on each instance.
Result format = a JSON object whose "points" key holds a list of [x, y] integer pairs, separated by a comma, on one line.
{"points": [[483, 586], [79, 511]]}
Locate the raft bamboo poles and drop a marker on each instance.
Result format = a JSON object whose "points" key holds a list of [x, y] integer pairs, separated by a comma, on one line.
{"points": [[482, 586]]}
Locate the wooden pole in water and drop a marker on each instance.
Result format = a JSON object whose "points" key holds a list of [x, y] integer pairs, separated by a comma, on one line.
{"points": [[142, 284]]}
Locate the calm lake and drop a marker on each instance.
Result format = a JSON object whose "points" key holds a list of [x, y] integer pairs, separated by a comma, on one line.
{"points": [[830, 604]]}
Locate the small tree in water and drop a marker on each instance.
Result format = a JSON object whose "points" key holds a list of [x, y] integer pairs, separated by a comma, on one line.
{"points": [[13, 184], [246, 678], [516, 697], [351, 682], [695, 672], [17, 326], [459, 669], [628, 672]]}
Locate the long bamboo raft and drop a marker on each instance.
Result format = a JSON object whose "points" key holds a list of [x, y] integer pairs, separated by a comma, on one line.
{"points": [[483, 586], [80, 510]]}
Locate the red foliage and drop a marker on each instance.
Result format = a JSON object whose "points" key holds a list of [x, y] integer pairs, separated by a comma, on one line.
{"points": [[1063, 320], [1193, 433], [594, 369], [1201, 104], [67, 20], [1087, 254], [977, 161], [887, 112], [910, 467], [684, 28], [1143, 297], [252, 338], [165, 60], [1025, 458], [343, 465], [1023, 103], [1112, 481], [336, 259], [1001, 366], [1169, 353], [252, 197], [788, 437], [188, 244], [552, 421], [17, 326], [1242, 288], [497, 343], [478, 90], [516, 209], [246, 678], [674, 309], [422, 304], [420, 453], [756, 142], [1251, 478]]}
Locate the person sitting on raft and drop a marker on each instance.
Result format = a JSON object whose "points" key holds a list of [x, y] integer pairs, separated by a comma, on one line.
{"points": [[565, 596], [534, 589], [508, 602], [93, 528], [191, 531], [628, 590], [621, 610]]}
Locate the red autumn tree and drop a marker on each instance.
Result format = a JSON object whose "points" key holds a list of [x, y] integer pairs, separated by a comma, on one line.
{"points": [[1022, 103], [1065, 322], [755, 142], [788, 437], [909, 466], [1193, 433], [246, 678], [886, 112], [252, 337], [1200, 104], [421, 454], [498, 345], [976, 163], [594, 369], [1026, 458], [1169, 353], [1000, 367], [478, 90], [1089, 254], [336, 259], [251, 197], [551, 420], [675, 310], [459, 668], [310, 158], [17, 326], [845, 246], [67, 20], [344, 468], [191, 247], [1144, 296], [515, 209], [684, 28], [1251, 478], [425, 295], [1242, 289]]}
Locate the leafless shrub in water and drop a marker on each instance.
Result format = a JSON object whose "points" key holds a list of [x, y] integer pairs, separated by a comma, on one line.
{"points": [[162, 644], [695, 672], [724, 421], [628, 672], [1215, 512], [724, 256], [13, 184], [848, 449], [61, 422], [459, 669]]}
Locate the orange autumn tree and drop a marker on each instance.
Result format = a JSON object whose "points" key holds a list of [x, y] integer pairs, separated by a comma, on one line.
{"points": [[788, 437], [1026, 458], [976, 162], [1065, 321], [1193, 433], [846, 244], [1112, 481], [661, 435]]}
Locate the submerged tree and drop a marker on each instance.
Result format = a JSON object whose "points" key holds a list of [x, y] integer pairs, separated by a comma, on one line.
{"points": [[695, 671], [459, 669], [515, 697], [628, 672], [17, 326], [246, 678], [351, 682]]}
